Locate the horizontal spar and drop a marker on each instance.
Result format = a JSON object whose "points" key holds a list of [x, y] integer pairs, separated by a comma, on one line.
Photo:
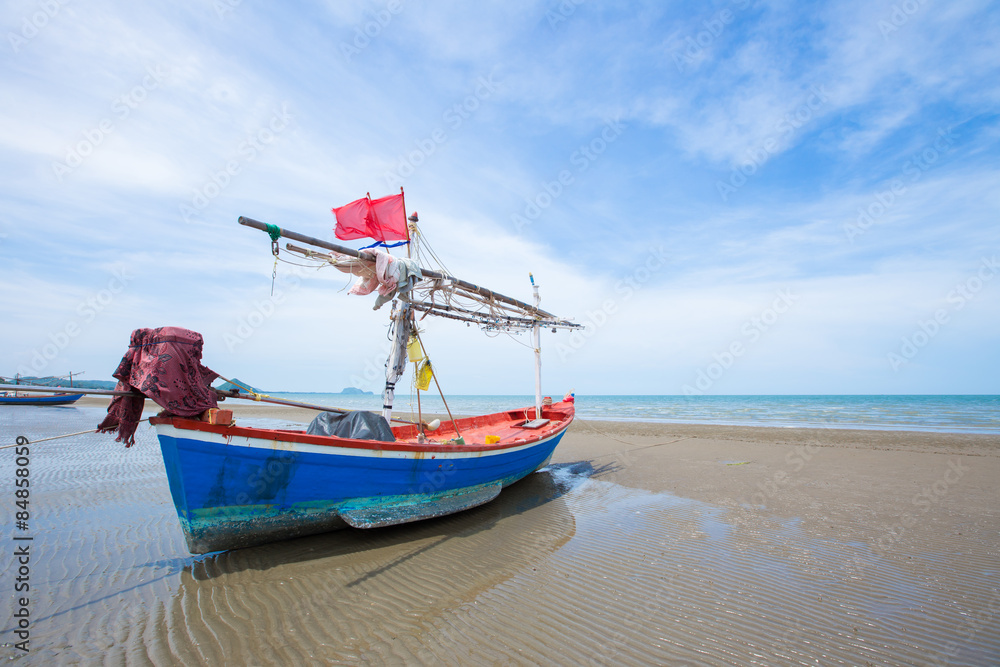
{"points": [[261, 398], [360, 254], [63, 390], [464, 315], [222, 395]]}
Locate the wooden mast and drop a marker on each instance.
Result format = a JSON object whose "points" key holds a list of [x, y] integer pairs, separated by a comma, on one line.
{"points": [[536, 336], [405, 309]]}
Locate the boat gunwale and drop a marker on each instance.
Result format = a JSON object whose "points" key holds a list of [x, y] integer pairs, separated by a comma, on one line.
{"points": [[560, 414]]}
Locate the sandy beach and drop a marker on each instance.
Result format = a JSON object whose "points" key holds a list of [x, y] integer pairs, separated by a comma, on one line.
{"points": [[642, 544]]}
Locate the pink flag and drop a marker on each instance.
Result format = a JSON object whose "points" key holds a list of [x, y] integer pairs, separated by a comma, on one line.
{"points": [[381, 219]]}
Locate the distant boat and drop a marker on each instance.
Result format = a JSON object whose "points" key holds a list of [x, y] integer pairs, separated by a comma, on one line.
{"points": [[12, 398], [236, 486], [17, 397]]}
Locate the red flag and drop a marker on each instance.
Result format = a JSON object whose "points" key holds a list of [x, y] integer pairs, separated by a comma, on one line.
{"points": [[352, 219], [381, 219], [390, 217]]}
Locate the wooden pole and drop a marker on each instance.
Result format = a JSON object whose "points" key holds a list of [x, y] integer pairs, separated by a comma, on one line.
{"points": [[62, 390], [537, 339], [292, 404], [420, 412], [434, 375], [406, 225], [220, 394]]}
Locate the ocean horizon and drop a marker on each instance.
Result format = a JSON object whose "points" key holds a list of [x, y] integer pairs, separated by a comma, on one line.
{"points": [[949, 413]]}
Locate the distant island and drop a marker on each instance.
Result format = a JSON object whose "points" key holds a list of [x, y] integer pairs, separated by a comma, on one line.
{"points": [[354, 390]]}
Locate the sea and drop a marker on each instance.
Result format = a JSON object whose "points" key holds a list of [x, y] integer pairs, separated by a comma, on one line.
{"points": [[947, 413]]}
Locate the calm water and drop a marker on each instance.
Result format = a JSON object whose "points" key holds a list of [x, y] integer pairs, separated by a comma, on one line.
{"points": [[966, 414]]}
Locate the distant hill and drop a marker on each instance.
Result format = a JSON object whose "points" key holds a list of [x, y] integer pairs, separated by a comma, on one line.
{"points": [[354, 390], [63, 382], [229, 386]]}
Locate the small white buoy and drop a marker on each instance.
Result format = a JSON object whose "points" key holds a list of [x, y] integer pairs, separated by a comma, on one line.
{"points": [[434, 425]]}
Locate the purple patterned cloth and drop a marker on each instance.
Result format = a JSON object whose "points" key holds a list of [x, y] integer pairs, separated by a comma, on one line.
{"points": [[165, 365]]}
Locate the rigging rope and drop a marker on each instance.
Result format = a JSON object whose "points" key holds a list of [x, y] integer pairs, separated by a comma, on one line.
{"points": [[256, 396]]}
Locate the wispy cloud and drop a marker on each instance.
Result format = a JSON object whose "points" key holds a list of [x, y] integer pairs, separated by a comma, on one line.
{"points": [[755, 133]]}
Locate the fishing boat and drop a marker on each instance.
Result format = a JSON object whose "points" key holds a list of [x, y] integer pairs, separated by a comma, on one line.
{"points": [[237, 486], [17, 398], [11, 394]]}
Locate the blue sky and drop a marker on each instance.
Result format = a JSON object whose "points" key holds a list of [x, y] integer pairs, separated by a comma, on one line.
{"points": [[736, 197]]}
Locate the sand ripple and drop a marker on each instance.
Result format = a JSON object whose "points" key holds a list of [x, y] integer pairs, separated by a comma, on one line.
{"points": [[562, 568]]}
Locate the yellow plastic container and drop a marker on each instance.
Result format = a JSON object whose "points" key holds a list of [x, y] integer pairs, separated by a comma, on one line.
{"points": [[492, 439], [424, 376], [413, 349]]}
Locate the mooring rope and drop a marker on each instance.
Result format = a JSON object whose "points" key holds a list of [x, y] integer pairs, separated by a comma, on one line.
{"points": [[23, 440]]}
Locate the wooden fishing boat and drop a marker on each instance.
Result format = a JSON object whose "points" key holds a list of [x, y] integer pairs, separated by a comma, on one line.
{"points": [[235, 486], [16, 398]]}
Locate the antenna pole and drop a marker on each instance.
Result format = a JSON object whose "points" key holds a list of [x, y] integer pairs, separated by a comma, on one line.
{"points": [[536, 334]]}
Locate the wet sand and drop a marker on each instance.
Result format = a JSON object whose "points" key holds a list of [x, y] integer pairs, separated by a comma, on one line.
{"points": [[641, 544]]}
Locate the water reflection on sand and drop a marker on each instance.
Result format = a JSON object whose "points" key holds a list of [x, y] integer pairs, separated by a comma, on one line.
{"points": [[563, 567]]}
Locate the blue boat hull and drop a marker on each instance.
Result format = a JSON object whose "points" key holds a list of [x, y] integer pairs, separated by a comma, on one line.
{"points": [[54, 399], [238, 492]]}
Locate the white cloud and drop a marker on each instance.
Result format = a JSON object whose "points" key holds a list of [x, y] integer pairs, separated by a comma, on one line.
{"points": [[353, 120]]}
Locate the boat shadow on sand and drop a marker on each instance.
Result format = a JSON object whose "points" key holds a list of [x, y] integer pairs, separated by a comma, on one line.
{"points": [[527, 516], [343, 593]]}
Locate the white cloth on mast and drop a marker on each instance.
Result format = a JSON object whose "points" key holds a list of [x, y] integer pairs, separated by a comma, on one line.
{"points": [[398, 274], [366, 284], [391, 276], [395, 365]]}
